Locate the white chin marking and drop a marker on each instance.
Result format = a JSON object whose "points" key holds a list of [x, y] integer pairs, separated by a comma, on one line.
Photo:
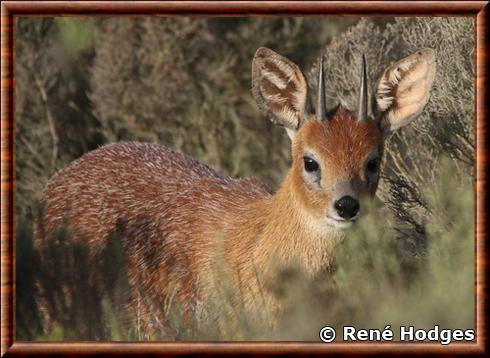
{"points": [[339, 224]]}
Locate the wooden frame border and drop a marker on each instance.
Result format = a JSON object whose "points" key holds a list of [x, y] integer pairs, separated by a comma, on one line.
{"points": [[10, 9]]}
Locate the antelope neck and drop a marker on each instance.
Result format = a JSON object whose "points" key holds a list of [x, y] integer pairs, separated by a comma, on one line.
{"points": [[286, 234]]}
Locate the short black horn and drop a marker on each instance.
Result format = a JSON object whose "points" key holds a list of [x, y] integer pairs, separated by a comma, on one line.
{"points": [[363, 100], [321, 106]]}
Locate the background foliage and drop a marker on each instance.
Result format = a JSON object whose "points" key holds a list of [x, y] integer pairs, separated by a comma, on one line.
{"points": [[185, 82]]}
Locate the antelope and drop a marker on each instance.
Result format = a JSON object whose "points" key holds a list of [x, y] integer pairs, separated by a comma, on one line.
{"points": [[169, 210]]}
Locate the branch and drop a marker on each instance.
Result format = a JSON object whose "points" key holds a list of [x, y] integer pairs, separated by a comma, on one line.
{"points": [[51, 125]]}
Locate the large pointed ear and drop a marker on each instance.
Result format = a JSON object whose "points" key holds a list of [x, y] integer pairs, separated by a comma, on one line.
{"points": [[403, 90], [280, 89]]}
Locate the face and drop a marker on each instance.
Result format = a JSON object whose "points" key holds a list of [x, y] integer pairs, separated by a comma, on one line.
{"points": [[335, 163], [336, 160]]}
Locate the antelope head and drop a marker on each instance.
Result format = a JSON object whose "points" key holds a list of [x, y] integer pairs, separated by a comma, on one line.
{"points": [[336, 154]]}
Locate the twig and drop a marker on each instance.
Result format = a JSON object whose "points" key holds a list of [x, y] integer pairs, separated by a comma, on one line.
{"points": [[51, 125]]}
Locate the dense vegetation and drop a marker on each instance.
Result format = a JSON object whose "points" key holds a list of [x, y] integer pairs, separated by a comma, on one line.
{"points": [[185, 82]]}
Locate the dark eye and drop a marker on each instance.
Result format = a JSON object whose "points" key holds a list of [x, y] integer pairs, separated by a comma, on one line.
{"points": [[310, 164], [372, 165]]}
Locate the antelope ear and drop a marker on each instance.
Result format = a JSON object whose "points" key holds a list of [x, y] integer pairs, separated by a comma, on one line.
{"points": [[280, 89], [403, 90]]}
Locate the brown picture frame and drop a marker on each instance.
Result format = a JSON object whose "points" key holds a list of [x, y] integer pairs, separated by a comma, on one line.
{"points": [[10, 9]]}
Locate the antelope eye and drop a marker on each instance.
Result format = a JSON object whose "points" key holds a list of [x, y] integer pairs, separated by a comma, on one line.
{"points": [[372, 165], [310, 164]]}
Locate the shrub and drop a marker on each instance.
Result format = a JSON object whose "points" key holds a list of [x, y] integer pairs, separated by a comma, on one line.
{"points": [[54, 123], [64, 285]]}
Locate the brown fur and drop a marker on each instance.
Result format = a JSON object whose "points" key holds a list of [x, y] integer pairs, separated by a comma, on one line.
{"points": [[177, 218], [343, 144], [173, 214]]}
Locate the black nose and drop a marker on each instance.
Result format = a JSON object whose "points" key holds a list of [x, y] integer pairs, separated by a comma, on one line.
{"points": [[347, 207]]}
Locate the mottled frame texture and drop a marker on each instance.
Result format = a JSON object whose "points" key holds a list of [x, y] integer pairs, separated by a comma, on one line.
{"points": [[477, 9]]}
